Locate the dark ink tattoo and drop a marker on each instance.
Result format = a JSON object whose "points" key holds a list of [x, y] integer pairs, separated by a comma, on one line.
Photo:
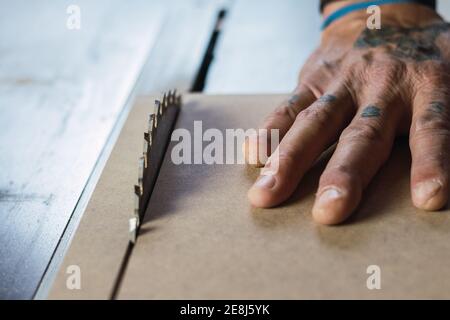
{"points": [[437, 107], [294, 100], [418, 43], [435, 112], [371, 112], [327, 98]]}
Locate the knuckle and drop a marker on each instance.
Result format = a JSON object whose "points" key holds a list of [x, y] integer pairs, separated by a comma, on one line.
{"points": [[319, 116], [386, 75], [430, 160], [427, 126], [434, 75], [287, 155], [390, 70], [341, 174], [339, 170], [437, 67], [432, 79], [371, 133], [283, 111], [381, 74]]}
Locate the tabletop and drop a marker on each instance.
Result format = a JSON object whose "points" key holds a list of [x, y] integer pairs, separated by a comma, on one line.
{"points": [[69, 72]]}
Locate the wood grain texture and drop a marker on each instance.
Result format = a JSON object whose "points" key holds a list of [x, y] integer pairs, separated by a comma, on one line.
{"points": [[61, 91], [172, 63], [201, 239], [100, 255]]}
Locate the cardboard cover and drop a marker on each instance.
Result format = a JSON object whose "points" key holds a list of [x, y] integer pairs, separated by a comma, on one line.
{"points": [[202, 240]]}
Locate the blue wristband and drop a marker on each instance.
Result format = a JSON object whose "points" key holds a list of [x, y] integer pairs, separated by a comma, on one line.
{"points": [[358, 6]]}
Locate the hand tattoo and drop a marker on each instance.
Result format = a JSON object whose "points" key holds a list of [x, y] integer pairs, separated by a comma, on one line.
{"points": [[437, 107], [293, 100], [417, 43], [371, 112], [327, 98], [436, 111]]}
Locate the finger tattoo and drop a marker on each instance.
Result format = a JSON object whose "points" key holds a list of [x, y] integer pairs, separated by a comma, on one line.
{"points": [[437, 107], [327, 98], [435, 111], [294, 100], [371, 112]]}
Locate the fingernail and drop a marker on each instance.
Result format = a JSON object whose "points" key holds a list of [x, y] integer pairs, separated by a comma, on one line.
{"points": [[326, 197], [265, 182], [425, 191]]}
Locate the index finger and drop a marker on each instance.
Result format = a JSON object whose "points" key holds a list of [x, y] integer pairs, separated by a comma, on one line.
{"points": [[281, 119]]}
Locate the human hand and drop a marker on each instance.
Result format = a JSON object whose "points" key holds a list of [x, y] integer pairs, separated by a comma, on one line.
{"points": [[363, 88]]}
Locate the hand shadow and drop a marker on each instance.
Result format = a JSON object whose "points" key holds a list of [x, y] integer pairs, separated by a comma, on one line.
{"points": [[390, 183]]}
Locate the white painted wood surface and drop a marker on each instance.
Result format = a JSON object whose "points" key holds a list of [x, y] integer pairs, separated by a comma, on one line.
{"points": [[173, 62], [61, 91], [265, 43], [179, 49], [444, 8]]}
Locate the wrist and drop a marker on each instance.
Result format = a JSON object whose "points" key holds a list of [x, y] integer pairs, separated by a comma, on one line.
{"points": [[401, 14]]}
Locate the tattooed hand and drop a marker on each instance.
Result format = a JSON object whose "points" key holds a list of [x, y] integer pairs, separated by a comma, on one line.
{"points": [[361, 88]]}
